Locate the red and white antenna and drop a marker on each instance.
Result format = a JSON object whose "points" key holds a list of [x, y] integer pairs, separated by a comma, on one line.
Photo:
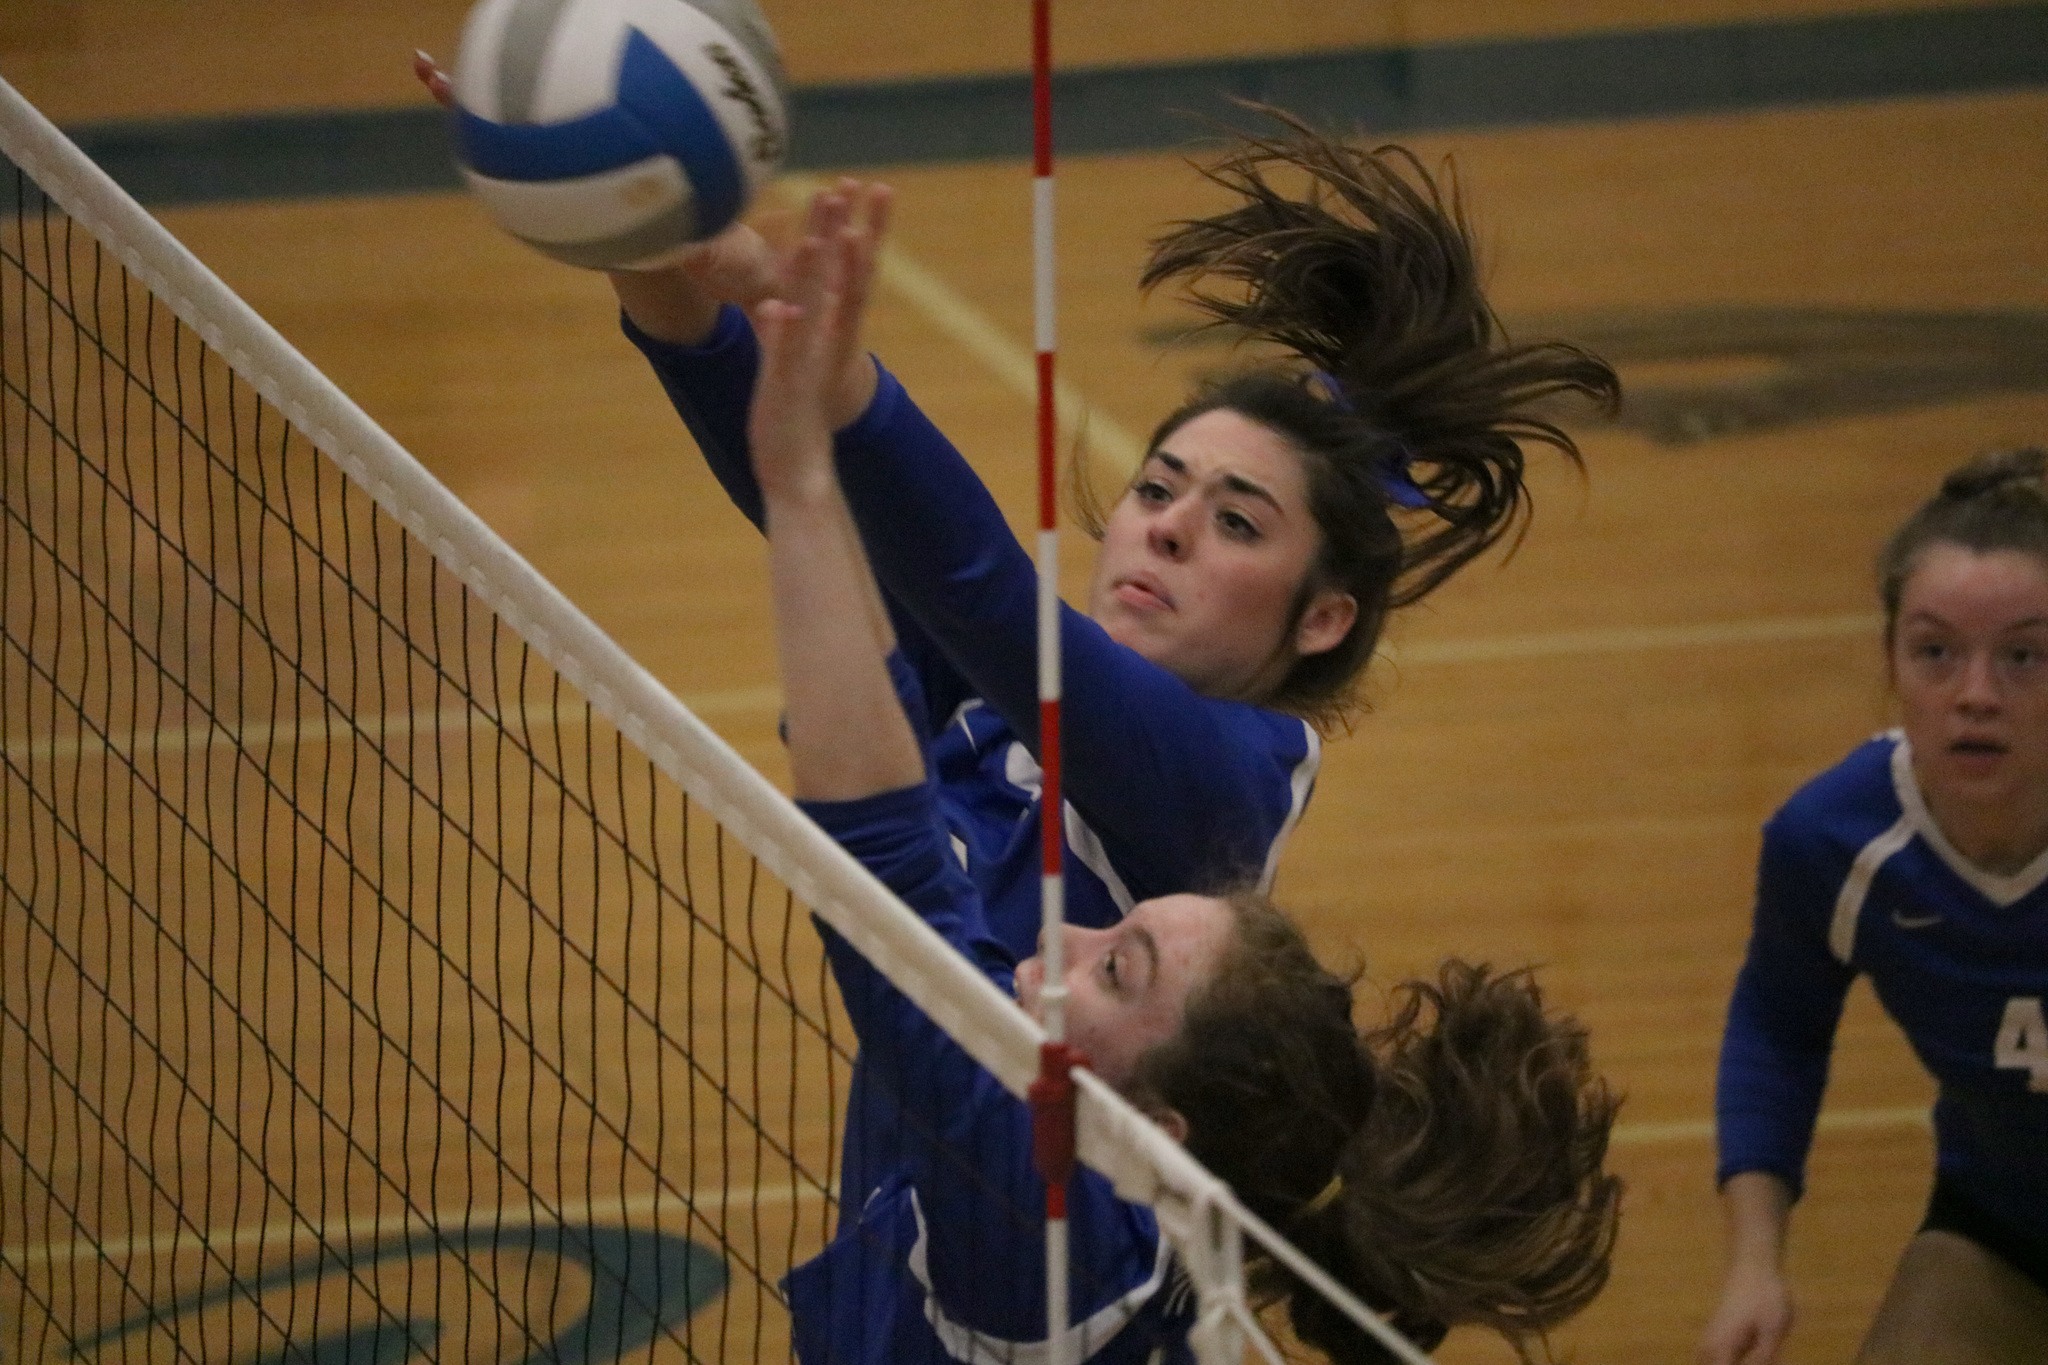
{"points": [[1052, 1095]]}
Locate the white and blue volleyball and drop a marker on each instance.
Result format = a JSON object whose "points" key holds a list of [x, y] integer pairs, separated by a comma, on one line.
{"points": [[608, 133]]}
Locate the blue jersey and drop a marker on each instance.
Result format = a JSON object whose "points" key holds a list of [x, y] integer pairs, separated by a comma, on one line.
{"points": [[940, 1254], [1166, 790], [1856, 878]]}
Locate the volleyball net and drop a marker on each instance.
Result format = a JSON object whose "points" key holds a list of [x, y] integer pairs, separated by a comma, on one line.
{"points": [[389, 967]]}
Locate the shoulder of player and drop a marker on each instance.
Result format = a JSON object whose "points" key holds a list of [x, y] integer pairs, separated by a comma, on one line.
{"points": [[1263, 735], [1213, 740], [1853, 802]]}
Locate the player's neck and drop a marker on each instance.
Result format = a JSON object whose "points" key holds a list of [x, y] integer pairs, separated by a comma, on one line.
{"points": [[2002, 837]]}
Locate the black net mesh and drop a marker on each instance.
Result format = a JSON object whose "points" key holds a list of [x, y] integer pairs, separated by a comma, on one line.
{"points": [[363, 995]]}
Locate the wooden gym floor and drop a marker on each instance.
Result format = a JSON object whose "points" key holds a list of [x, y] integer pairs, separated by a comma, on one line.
{"points": [[1569, 753]]}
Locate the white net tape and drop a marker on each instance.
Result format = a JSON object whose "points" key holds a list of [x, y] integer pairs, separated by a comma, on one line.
{"points": [[1204, 1223]]}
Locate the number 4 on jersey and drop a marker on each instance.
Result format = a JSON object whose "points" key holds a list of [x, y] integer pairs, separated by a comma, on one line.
{"points": [[2023, 1040]]}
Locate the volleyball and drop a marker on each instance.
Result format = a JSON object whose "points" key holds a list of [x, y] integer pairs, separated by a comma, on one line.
{"points": [[608, 133]]}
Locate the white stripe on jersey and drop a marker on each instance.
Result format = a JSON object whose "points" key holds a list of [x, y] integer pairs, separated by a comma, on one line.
{"points": [[1303, 783], [1087, 846], [978, 1348], [1915, 818], [2001, 891], [1849, 903], [1021, 770]]}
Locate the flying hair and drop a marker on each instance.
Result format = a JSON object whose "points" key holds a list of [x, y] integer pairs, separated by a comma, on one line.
{"points": [[1368, 274], [1447, 1165]]}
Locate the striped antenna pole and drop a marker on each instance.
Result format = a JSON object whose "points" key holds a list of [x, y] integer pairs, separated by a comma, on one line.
{"points": [[1052, 1095]]}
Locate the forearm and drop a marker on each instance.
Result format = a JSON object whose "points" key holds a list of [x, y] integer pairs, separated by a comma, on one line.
{"points": [[707, 364], [708, 360], [679, 302], [711, 384], [942, 550], [1782, 1015], [1756, 1210], [847, 732], [1749, 1325], [667, 305]]}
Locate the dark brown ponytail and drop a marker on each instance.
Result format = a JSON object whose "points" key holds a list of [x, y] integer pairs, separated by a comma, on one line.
{"points": [[1474, 1193], [1447, 1165], [1368, 276]]}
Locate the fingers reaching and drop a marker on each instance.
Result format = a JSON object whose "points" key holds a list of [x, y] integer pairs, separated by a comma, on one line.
{"points": [[790, 426], [859, 237], [829, 212], [430, 74], [812, 271], [853, 216]]}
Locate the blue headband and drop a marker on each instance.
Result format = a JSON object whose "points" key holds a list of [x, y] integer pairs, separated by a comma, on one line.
{"points": [[1395, 480]]}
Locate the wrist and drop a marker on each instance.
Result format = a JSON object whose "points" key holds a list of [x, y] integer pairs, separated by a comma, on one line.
{"points": [[666, 305], [806, 493], [854, 392], [1757, 1207], [1755, 1268]]}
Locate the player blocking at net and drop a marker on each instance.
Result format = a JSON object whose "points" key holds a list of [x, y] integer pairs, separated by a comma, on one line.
{"points": [[1447, 1165], [1245, 573]]}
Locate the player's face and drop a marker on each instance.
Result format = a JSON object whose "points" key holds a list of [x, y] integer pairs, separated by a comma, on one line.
{"points": [[1128, 985], [1203, 559], [1970, 662]]}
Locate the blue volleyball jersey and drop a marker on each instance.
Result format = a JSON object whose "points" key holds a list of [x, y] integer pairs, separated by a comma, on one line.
{"points": [[940, 1253], [1856, 878], [1165, 790]]}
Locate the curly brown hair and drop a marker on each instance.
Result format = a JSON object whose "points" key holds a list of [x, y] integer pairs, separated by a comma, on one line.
{"points": [[1447, 1165], [1402, 374]]}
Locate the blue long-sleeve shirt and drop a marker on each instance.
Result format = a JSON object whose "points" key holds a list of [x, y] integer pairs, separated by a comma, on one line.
{"points": [[1166, 790], [940, 1255], [1855, 877]]}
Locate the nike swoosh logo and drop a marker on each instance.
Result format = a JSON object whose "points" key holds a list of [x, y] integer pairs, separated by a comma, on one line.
{"points": [[1914, 921]]}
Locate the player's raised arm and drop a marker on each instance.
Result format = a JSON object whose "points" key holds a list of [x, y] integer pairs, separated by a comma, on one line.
{"points": [[848, 735]]}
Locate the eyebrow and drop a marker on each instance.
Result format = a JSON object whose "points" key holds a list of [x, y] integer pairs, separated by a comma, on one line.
{"points": [[1236, 483], [1144, 939], [1925, 617]]}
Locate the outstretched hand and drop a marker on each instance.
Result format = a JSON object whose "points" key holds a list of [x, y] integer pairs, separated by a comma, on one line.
{"points": [[848, 736], [429, 73], [853, 215], [679, 301], [677, 298], [790, 424], [1750, 1324]]}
